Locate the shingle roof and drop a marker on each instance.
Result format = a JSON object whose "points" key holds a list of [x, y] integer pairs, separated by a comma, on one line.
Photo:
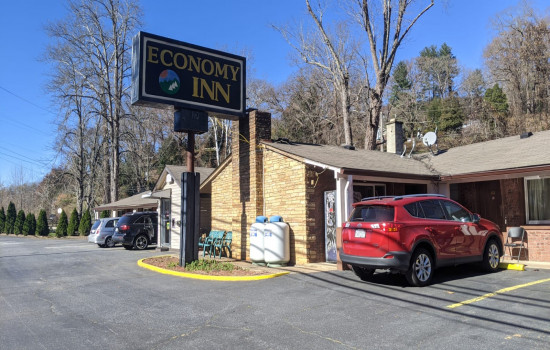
{"points": [[359, 160], [177, 170], [134, 201], [501, 154]]}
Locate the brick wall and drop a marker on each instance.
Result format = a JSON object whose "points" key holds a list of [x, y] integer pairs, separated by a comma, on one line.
{"points": [[513, 200], [285, 196], [222, 208], [537, 243], [247, 168]]}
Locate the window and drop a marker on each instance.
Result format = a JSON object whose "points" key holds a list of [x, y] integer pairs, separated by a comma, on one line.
{"points": [[110, 223], [415, 210], [537, 200], [456, 212], [373, 213], [432, 210], [139, 221]]}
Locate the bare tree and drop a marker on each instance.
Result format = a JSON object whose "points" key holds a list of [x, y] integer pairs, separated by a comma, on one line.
{"points": [[385, 32], [332, 52], [518, 60]]}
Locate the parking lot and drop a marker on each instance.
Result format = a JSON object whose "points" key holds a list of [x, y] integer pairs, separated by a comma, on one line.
{"points": [[69, 294]]}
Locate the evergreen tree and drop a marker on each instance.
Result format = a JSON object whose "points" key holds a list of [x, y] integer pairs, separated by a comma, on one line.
{"points": [[32, 224], [27, 225], [42, 224], [401, 81], [19, 221], [74, 221], [10, 219], [2, 219], [85, 223], [496, 98], [105, 214], [62, 224]]}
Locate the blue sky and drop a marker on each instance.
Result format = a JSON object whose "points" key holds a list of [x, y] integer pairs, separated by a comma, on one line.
{"points": [[27, 113]]}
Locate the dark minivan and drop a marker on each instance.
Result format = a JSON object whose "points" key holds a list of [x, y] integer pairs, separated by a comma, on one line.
{"points": [[137, 230]]}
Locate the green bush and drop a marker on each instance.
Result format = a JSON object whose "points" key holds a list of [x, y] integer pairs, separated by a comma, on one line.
{"points": [[85, 223], [10, 219], [2, 219], [29, 226], [42, 224], [74, 221], [19, 221], [209, 265], [62, 224], [105, 214]]}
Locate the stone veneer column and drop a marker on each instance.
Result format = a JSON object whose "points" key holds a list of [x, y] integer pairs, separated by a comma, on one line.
{"points": [[247, 176]]}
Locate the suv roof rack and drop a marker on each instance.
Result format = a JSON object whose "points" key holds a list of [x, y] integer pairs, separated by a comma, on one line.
{"points": [[419, 195], [376, 197]]}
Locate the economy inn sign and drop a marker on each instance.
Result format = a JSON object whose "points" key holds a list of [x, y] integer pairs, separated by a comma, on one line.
{"points": [[171, 72]]}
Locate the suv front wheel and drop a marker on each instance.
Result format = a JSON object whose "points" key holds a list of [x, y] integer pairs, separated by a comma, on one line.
{"points": [[141, 242], [421, 270], [491, 256]]}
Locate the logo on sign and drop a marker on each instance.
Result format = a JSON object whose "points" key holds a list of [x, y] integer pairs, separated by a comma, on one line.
{"points": [[169, 81]]}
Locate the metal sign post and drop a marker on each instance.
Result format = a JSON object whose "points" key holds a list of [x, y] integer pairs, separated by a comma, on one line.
{"points": [[195, 80]]}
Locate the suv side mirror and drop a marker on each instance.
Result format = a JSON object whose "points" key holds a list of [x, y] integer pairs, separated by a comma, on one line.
{"points": [[476, 218]]}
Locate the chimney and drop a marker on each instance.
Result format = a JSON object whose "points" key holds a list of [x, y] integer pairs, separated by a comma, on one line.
{"points": [[247, 176], [394, 136]]}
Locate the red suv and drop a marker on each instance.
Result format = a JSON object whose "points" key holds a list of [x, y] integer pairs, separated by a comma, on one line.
{"points": [[414, 234]]}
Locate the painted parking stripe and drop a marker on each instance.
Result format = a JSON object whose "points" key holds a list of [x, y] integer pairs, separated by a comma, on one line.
{"points": [[500, 291]]}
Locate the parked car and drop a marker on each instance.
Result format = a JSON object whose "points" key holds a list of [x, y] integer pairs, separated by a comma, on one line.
{"points": [[414, 235], [137, 230], [102, 231]]}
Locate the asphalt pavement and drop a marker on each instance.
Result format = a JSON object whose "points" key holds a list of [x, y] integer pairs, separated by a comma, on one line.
{"points": [[70, 294]]}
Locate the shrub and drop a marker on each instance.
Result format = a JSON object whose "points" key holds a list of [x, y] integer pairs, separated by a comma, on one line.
{"points": [[85, 223], [19, 221], [42, 224], [62, 224], [32, 224], [105, 214], [10, 218], [2, 219], [73, 223], [27, 225]]}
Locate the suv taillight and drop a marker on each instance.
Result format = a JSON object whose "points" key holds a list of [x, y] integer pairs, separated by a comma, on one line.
{"points": [[124, 227], [390, 227]]}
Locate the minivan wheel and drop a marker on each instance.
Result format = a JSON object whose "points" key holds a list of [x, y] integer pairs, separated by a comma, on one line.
{"points": [[421, 271], [109, 242], [141, 242], [491, 256], [363, 273]]}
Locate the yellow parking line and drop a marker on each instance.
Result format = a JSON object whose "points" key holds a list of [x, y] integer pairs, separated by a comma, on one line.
{"points": [[500, 291]]}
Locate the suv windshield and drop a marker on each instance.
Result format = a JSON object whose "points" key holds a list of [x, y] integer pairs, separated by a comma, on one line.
{"points": [[373, 213]]}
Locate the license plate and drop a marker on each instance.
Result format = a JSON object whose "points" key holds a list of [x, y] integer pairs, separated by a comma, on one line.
{"points": [[360, 233]]}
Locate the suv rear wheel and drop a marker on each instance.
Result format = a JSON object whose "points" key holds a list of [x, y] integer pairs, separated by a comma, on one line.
{"points": [[363, 273], [421, 271], [141, 242]]}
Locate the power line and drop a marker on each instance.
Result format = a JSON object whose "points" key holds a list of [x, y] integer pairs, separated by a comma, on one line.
{"points": [[24, 99], [25, 125]]}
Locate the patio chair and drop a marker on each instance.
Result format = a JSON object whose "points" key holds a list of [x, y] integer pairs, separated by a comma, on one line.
{"points": [[515, 240]]}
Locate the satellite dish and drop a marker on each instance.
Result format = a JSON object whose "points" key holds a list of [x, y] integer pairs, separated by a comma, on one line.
{"points": [[429, 139]]}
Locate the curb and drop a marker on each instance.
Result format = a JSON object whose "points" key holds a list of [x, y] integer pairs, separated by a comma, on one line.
{"points": [[207, 277], [507, 266]]}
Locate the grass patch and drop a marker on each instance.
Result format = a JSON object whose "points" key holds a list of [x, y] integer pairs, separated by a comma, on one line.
{"points": [[209, 266]]}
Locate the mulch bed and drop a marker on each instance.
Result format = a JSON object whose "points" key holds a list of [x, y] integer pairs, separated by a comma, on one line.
{"points": [[168, 262]]}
